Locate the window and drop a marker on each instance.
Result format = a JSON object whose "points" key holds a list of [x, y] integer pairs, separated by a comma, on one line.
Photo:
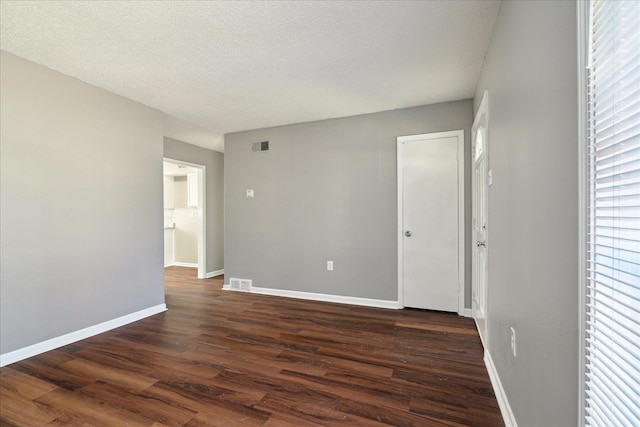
{"points": [[610, 280], [479, 145]]}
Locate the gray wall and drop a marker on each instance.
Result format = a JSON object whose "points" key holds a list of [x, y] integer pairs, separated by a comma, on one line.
{"points": [[214, 187], [530, 72], [325, 190], [81, 205]]}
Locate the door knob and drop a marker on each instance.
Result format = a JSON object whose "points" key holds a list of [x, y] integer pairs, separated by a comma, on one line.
{"points": [[483, 243], [407, 233]]}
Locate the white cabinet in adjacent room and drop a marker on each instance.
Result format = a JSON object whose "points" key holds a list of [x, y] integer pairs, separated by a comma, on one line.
{"points": [[168, 187]]}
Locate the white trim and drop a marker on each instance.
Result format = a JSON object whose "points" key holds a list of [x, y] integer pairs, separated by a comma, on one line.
{"points": [[214, 274], [202, 237], [468, 312], [186, 264], [71, 337], [582, 10], [484, 344], [202, 215], [461, 224], [461, 228], [340, 299], [501, 396], [400, 225]]}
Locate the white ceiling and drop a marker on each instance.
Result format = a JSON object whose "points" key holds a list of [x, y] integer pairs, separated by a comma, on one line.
{"points": [[220, 67]]}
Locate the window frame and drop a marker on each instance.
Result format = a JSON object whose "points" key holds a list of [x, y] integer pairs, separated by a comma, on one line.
{"points": [[583, 19]]}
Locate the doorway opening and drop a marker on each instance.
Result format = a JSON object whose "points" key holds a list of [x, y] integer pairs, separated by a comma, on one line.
{"points": [[431, 221], [184, 215]]}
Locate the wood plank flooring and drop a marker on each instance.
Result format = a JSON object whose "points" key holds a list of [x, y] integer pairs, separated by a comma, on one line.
{"points": [[221, 358]]}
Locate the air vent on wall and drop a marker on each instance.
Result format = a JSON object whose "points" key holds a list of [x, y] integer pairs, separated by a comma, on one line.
{"points": [[240, 284], [260, 146]]}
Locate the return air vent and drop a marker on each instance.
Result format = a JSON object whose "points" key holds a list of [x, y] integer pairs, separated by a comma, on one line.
{"points": [[240, 285], [260, 146]]}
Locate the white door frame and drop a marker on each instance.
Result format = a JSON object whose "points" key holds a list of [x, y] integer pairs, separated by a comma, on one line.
{"points": [[202, 209], [423, 137], [481, 120]]}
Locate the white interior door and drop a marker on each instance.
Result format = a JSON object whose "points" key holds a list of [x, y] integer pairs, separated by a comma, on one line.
{"points": [[430, 223], [479, 231], [480, 191]]}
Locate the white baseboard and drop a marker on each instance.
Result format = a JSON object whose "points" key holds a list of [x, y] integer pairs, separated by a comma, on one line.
{"points": [[367, 302], [214, 274], [185, 264], [53, 343], [467, 312], [484, 345], [501, 396]]}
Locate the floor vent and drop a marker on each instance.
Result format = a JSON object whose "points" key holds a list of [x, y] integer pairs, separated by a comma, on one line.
{"points": [[240, 284]]}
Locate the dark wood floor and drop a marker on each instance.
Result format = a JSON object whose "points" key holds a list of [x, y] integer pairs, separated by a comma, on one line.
{"points": [[224, 358]]}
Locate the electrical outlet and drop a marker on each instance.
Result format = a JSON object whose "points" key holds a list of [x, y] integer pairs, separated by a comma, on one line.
{"points": [[513, 341], [329, 265]]}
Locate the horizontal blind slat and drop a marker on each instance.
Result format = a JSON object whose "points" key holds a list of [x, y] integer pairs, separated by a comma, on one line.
{"points": [[595, 358], [598, 316], [621, 413], [627, 289], [624, 411]]}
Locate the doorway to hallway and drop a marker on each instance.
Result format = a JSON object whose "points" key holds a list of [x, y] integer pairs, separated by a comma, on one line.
{"points": [[184, 215]]}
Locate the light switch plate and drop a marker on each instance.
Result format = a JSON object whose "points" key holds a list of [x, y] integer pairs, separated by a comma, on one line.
{"points": [[249, 194]]}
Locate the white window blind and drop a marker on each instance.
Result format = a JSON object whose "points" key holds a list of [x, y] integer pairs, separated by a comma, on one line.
{"points": [[612, 295]]}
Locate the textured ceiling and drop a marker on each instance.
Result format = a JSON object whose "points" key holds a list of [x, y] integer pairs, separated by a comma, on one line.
{"points": [[220, 67]]}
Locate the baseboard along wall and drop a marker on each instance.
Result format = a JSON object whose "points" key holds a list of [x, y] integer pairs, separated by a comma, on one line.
{"points": [[367, 302], [62, 340], [214, 274], [501, 396], [185, 264]]}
